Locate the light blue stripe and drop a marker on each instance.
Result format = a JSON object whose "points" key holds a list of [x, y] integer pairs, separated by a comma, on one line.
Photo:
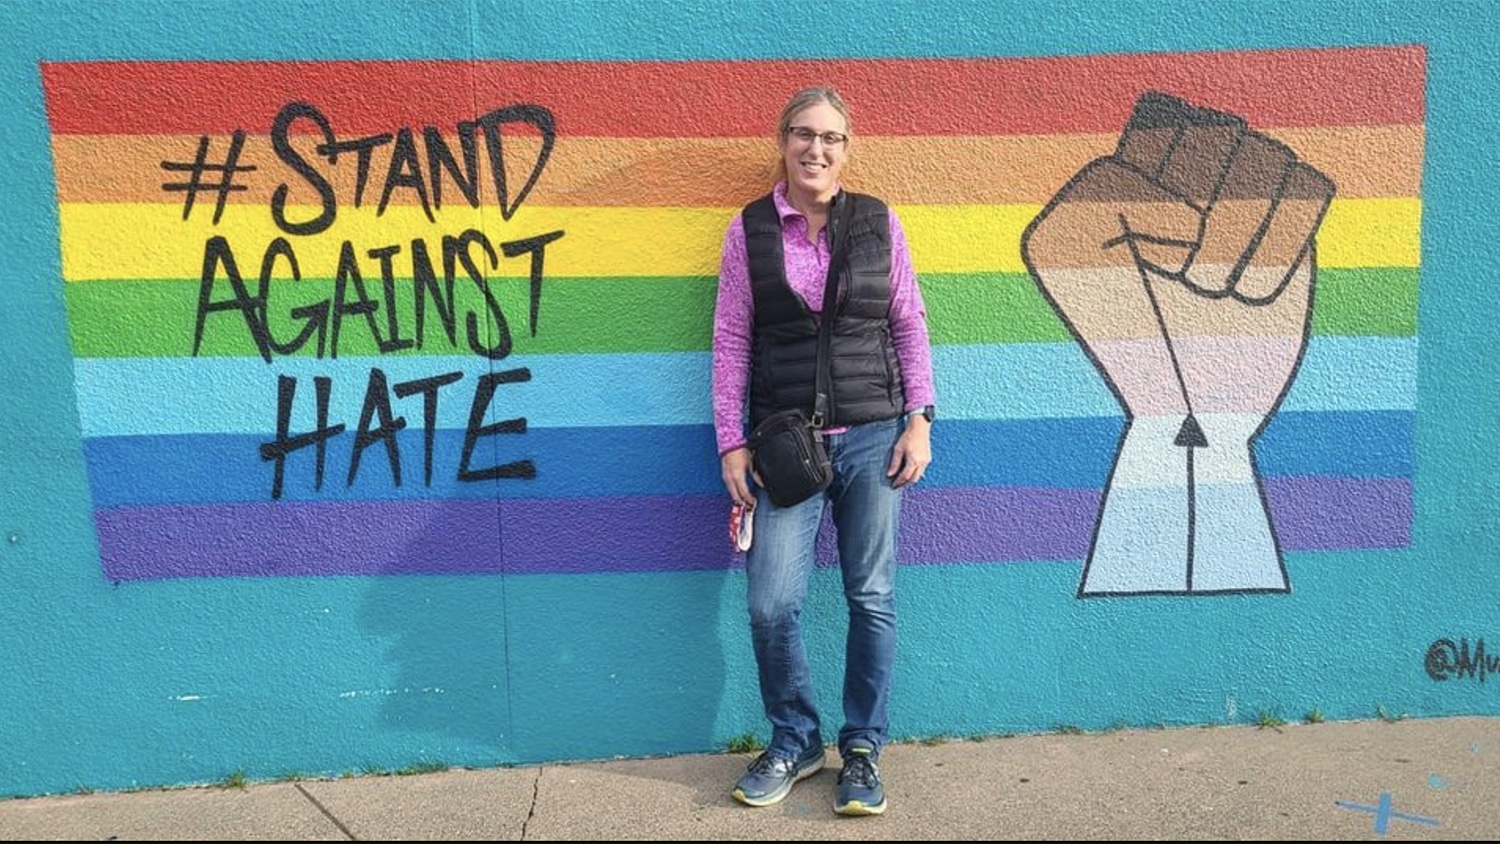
{"points": [[1364, 373], [236, 395], [132, 396]]}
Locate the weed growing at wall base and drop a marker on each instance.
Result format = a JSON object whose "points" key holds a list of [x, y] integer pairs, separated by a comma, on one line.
{"points": [[746, 743], [1267, 718], [1387, 716]]}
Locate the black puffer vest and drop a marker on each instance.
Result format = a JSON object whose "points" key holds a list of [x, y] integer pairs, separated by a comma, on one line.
{"points": [[865, 374]]}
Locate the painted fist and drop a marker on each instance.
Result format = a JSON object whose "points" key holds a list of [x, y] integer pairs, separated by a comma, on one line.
{"points": [[1184, 266]]}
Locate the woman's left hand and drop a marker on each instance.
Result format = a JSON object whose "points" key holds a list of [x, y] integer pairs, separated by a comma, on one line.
{"points": [[913, 453]]}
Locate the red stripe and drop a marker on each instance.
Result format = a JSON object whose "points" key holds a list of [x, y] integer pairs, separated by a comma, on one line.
{"points": [[1273, 88]]}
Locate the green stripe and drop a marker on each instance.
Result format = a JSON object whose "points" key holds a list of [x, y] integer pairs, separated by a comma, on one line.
{"points": [[1379, 302], [158, 318], [671, 314], [1006, 308], [987, 308]]}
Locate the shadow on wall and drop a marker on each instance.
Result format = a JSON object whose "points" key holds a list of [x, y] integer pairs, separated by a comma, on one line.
{"points": [[491, 662], [444, 675]]}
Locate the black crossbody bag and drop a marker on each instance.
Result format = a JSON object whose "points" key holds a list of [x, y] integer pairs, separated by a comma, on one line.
{"points": [[787, 447]]}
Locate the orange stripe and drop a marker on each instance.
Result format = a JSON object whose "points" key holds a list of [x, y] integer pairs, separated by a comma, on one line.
{"points": [[1364, 162]]}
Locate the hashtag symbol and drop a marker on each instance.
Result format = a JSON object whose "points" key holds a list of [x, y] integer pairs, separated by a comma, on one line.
{"points": [[199, 165]]}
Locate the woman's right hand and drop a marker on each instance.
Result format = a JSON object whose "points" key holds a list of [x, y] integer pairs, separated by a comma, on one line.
{"points": [[737, 466]]}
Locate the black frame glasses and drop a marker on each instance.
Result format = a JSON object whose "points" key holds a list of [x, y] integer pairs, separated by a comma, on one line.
{"points": [[806, 136]]}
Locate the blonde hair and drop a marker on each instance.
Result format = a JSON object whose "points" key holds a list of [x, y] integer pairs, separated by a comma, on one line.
{"points": [[804, 99]]}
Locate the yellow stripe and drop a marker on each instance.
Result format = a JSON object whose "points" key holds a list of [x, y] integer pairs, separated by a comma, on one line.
{"points": [[967, 238], [970, 238], [152, 241], [1371, 233]]}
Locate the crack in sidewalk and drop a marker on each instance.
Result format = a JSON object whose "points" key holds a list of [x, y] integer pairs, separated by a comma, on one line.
{"points": [[536, 790], [327, 814]]}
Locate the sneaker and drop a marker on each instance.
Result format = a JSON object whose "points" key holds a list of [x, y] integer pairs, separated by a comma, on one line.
{"points": [[770, 778], [860, 792]]}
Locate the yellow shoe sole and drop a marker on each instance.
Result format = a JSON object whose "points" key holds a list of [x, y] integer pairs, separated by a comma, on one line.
{"points": [[857, 808]]}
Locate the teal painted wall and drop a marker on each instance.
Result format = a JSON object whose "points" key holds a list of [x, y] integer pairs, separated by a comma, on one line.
{"points": [[119, 682]]}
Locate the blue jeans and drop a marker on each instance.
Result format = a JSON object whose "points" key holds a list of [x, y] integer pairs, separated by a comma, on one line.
{"points": [[865, 511]]}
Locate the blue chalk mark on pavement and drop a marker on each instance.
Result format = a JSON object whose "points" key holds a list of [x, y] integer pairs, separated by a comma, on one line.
{"points": [[1383, 813]]}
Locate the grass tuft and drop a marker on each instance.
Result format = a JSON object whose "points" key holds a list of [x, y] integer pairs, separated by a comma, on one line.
{"points": [[746, 743], [1268, 719], [423, 767]]}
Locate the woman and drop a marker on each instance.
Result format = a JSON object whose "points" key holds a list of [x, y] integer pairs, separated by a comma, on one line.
{"points": [[769, 302]]}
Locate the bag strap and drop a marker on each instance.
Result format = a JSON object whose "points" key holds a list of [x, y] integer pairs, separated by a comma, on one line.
{"points": [[839, 216]]}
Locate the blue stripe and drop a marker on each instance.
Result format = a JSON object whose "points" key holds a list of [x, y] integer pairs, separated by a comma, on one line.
{"points": [[680, 460], [128, 396]]}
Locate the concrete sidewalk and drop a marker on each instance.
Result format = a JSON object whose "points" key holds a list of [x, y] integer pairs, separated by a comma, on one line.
{"points": [[1412, 779]]}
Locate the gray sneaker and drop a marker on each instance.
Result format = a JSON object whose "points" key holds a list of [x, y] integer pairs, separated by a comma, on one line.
{"points": [[770, 778], [860, 791]]}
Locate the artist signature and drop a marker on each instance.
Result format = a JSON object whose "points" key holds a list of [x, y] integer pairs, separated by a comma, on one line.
{"points": [[1446, 659]]}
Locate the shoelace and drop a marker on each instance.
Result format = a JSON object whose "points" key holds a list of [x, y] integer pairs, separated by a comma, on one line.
{"points": [[860, 771], [766, 763]]}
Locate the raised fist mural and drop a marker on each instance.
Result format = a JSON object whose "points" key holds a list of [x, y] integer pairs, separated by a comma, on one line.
{"points": [[1184, 264]]}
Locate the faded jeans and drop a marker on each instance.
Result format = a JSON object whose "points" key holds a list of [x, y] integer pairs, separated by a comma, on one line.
{"points": [[865, 511]]}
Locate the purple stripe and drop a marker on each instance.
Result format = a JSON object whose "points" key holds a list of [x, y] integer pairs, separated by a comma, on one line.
{"points": [[239, 540], [1330, 514], [656, 533], [672, 533], [987, 524]]}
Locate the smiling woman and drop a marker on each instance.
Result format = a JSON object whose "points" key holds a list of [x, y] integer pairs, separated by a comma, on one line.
{"points": [[813, 135]]}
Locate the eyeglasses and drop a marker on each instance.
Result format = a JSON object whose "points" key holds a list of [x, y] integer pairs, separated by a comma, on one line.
{"points": [[806, 136]]}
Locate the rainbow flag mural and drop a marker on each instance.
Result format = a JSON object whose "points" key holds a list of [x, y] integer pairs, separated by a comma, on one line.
{"points": [[406, 317]]}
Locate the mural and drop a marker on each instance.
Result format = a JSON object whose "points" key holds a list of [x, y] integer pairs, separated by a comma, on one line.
{"points": [[1184, 265], [318, 315], [359, 373]]}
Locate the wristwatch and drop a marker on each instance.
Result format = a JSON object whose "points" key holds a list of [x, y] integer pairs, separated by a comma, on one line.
{"points": [[928, 412]]}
